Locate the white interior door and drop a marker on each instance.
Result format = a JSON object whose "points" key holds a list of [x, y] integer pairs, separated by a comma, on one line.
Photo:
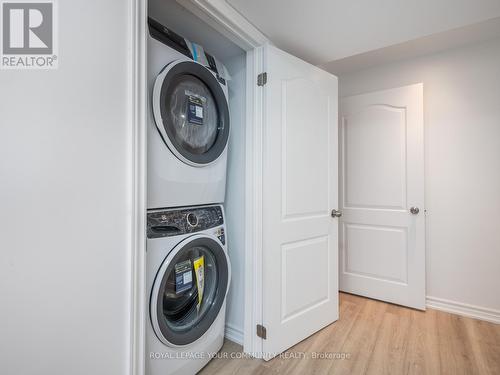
{"points": [[382, 239], [300, 187]]}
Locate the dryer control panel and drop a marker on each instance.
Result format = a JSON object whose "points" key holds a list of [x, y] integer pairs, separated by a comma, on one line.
{"points": [[169, 223]]}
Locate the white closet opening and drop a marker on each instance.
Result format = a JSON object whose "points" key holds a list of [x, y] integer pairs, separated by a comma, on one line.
{"points": [[183, 22]]}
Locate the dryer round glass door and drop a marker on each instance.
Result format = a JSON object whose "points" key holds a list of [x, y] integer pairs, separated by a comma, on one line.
{"points": [[191, 112], [189, 290]]}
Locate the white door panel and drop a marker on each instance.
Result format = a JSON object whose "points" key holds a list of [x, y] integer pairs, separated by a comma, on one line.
{"points": [[299, 198], [359, 240], [367, 185], [300, 239], [382, 251]]}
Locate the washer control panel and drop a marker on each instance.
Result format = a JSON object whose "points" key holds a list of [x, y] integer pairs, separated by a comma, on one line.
{"points": [[166, 223]]}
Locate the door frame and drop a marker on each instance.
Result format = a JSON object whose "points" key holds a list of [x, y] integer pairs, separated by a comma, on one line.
{"points": [[225, 19]]}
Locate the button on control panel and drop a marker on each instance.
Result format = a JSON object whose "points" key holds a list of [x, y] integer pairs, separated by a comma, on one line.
{"points": [[192, 219]]}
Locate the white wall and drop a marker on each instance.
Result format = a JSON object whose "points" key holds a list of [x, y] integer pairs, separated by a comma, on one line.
{"points": [[65, 201], [235, 199], [462, 150]]}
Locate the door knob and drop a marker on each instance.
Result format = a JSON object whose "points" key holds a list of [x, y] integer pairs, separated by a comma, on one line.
{"points": [[336, 213], [414, 210]]}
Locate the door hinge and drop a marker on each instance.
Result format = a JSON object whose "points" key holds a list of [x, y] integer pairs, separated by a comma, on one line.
{"points": [[262, 79], [261, 331]]}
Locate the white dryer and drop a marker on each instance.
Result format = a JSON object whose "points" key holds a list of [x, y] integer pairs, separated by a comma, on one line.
{"points": [[188, 127], [186, 317]]}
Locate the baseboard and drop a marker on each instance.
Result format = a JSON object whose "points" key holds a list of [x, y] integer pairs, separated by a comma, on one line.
{"points": [[464, 309], [234, 334]]}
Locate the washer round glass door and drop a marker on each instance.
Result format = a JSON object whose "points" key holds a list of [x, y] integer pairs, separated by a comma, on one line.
{"points": [[189, 290], [191, 112]]}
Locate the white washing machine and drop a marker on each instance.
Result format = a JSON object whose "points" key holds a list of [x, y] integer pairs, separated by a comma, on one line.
{"points": [[188, 128], [188, 276]]}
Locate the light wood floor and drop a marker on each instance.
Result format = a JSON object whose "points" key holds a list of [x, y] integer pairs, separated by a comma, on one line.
{"points": [[381, 338]]}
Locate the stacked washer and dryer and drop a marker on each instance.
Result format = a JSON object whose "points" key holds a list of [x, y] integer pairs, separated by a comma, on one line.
{"points": [[188, 269]]}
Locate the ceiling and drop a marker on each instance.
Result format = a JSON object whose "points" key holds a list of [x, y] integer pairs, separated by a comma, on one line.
{"points": [[435, 43], [325, 31]]}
